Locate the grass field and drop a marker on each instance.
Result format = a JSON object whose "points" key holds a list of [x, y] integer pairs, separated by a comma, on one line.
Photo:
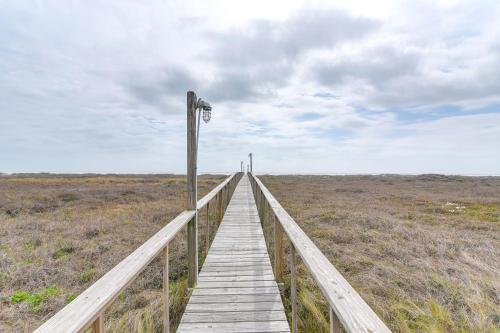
{"points": [[422, 251], [59, 234]]}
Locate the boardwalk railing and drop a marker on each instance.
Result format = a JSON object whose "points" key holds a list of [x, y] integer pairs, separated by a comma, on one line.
{"points": [[87, 310], [347, 308]]}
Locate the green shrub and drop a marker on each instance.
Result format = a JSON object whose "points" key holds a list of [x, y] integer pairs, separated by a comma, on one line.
{"points": [[19, 296], [35, 300], [63, 251], [87, 275]]}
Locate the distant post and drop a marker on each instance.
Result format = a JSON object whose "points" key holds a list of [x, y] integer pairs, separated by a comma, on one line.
{"points": [[192, 227], [241, 166], [251, 167]]}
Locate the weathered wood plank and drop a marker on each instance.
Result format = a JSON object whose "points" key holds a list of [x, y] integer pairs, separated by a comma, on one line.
{"points": [[245, 298], [221, 307], [269, 277], [235, 284], [236, 327], [242, 272], [231, 317], [236, 290], [236, 268]]}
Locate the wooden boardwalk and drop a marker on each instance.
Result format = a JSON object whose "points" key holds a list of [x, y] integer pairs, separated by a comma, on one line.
{"points": [[236, 290]]}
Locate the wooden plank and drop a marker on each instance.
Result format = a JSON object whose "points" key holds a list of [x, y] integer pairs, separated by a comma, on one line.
{"points": [[235, 298], [242, 272], [236, 268], [235, 284], [236, 290], [228, 306], [239, 256], [233, 316], [268, 277], [239, 262], [244, 261], [245, 326], [353, 312]]}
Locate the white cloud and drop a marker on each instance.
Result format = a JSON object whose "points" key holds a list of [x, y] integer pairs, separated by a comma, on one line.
{"points": [[392, 86]]}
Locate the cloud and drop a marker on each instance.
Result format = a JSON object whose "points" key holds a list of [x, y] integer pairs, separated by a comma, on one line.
{"points": [[162, 89], [324, 88], [438, 58], [254, 60], [375, 67]]}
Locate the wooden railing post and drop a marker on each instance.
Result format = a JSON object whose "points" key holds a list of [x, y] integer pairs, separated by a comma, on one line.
{"points": [[98, 325], [166, 301], [293, 287], [219, 208], [278, 250], [334, 322], [207, 239], [192, 228]]}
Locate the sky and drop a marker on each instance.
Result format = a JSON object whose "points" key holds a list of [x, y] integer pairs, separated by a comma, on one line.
{"points": [[335, 87]]}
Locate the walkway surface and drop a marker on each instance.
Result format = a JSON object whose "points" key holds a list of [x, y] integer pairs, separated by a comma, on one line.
{"points": [[236, 290]]}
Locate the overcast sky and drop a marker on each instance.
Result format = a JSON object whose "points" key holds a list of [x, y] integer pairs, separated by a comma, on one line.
{"points": [[307, 86]]}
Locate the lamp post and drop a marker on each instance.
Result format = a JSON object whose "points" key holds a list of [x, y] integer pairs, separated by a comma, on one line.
{"points": [[193, 131], [251, 167]]}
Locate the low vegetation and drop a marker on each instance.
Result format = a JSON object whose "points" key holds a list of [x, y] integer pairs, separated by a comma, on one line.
{"points": [[59, 234], [422, 251]]}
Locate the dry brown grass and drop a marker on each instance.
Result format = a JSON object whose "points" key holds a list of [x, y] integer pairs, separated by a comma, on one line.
{"points": [[422, 251], [423, 264], [59, 234]]}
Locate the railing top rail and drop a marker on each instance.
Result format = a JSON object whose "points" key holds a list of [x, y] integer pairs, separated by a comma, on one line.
{"points": [[203, 201], [352, 311], [90, 304]]}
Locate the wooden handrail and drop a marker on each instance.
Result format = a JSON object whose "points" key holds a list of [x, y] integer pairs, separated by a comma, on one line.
{"points": [[87, 309], [206, 199], [345, 303]]}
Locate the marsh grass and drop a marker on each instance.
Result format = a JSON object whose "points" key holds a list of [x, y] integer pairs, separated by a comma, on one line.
{"points": [[62, 233], [420, 267]]}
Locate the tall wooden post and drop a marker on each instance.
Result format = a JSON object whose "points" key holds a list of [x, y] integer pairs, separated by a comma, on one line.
{"points": [[192, 228], [251, 162]]}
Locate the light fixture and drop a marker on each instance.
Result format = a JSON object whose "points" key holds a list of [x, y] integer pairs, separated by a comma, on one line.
{"points": [[207, 110], [207, 114]]}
